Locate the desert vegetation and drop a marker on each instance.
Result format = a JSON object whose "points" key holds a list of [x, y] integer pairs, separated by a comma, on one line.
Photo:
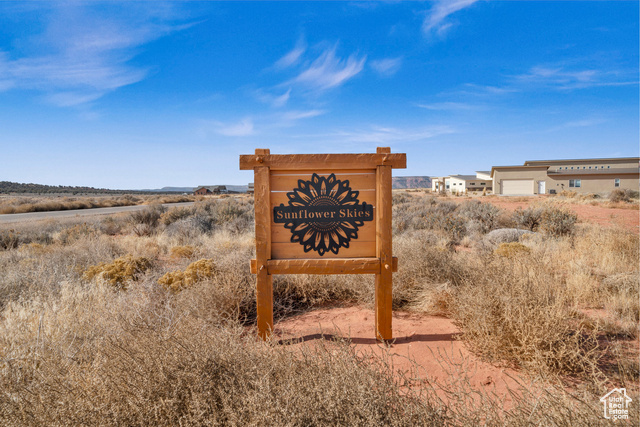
{"points": [[24, 204], [146, 318]]}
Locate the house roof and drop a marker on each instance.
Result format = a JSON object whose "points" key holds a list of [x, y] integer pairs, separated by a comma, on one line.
{"points": [[553, 162], [612, 171], [211, 187], [465, 177], [540, 167]]}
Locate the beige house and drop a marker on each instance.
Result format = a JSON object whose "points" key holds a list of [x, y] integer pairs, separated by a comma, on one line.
{"points": [[462, 183], [553, 176]]}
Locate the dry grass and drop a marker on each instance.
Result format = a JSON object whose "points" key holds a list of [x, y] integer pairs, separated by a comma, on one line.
{"points": [[72, 351], [118, 272], [195, 272], [24, 204]]}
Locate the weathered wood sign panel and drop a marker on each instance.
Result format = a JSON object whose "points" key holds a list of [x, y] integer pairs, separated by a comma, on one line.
{"points": [[323, 214]]}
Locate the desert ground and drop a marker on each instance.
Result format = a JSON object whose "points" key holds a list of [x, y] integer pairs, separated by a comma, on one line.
{"points": [[518, 311]]}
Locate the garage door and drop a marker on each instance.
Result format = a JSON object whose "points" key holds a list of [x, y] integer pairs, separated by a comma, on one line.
{"points": [[517, 186]]}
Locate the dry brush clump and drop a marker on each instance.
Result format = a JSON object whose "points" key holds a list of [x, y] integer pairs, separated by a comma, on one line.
{"points": [[120, 271], [195, 272], [553, 219], [625, 196]]}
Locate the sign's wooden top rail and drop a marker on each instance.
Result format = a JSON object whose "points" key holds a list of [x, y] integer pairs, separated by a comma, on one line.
{"points": [[323, 161]]}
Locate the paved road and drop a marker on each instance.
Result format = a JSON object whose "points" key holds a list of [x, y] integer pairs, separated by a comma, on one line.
{"points": [[36, 216]]}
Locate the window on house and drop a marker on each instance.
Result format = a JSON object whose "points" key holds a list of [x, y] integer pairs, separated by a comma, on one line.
{"points": [[589, 167], [616, 182], [608, 167], [575, 183], [472, 183], [483, 183]]}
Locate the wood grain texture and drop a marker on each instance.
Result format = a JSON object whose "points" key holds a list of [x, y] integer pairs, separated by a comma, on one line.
{"points": [[366, 233], [384, 280], [264, 282], [324, 266], [323, 161], [358, 180], [356, 249], [368, 196]]}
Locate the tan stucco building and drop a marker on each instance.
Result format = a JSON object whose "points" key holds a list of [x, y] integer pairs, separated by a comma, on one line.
{"points": [[580, 175], [460, 184]]}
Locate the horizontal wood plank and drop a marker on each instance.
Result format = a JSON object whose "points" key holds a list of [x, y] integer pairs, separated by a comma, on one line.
{"points": [[366, 233], [356, 249], [323, 161], [324, 266], [278, 198], [285, 181]]}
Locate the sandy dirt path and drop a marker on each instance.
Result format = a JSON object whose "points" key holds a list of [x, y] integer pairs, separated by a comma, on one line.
{"points": [[428, 341]]}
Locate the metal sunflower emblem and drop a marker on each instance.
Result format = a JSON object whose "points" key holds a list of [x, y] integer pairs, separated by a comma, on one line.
{"points": [[323, 214]]}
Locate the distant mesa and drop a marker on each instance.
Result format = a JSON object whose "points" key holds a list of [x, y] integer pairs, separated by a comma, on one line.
{"points": [[405, 182]]}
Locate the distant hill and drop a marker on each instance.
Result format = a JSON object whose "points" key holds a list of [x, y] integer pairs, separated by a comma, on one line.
{"points": [[7, 187], [171, 190], [401, 182]]}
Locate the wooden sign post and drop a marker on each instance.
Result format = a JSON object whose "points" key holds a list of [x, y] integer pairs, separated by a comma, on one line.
{"points": [[323, 214]]}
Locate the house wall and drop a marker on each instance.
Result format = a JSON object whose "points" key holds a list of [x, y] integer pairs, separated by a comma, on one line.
{"points": [[201, 192], [436, 181], [535, 173], [456, 185], [479, 185], [589, 182], [600, 163], [594, 184]]}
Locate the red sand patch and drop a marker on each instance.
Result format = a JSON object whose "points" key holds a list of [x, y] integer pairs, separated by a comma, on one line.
{"points": [[627, 218], [425, 340]]}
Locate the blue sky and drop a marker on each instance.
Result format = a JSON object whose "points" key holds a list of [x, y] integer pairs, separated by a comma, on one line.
{"points": [[148, 94]]}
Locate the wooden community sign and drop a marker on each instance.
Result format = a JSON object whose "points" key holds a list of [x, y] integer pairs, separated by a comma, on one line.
{"points": [[323, 214]]}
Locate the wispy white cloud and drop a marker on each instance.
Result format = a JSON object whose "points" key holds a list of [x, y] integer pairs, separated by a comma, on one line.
{"points": [[242, 128], [82, 55], [329, 71], [450, 106], [293, 56], [256, 124], [291, 116], [280, 101], [561, 78], [436, 21], [581, 123], [386, 135], [386, 67]]}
